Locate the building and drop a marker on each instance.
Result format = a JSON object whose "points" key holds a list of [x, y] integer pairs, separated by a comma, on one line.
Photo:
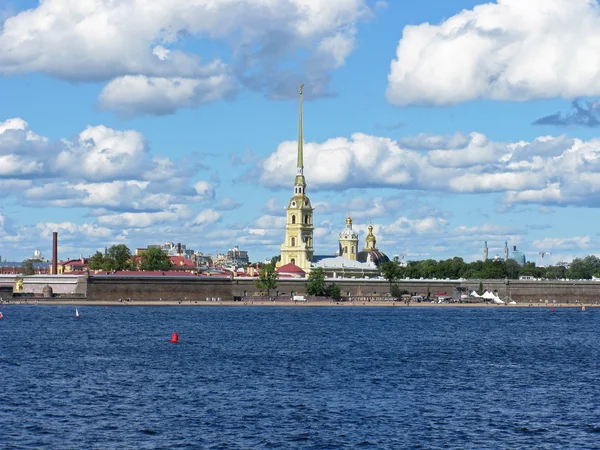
{"points": [[370, 252], [485, 251], [70, 266], [348, 241], [517, 256], [238, 257], [297, 247]]}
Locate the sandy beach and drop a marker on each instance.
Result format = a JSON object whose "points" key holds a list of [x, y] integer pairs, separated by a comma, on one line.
{"points": [[346, 304]]}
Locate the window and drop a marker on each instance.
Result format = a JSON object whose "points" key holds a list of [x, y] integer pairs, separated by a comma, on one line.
{"points": [[293, 219], [293, 242], [293, 261], [345, 249], [306, 219], [353, 249]]}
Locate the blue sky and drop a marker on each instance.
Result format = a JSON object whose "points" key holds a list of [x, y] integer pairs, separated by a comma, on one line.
{"points": [[445, 123]]}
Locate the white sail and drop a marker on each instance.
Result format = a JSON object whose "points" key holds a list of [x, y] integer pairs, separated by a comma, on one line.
{"points": [[76, 313]]}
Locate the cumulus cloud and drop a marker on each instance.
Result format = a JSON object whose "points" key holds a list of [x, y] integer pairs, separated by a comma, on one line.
{"points": [[506, 50], [137, 94], [141, 52], [100, 153], [108, 171], [207, 217], [145, 219], [547, 171], [586, 115]]}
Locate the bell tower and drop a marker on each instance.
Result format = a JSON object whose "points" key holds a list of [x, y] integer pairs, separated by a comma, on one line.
{"points": [[349, 241], [297, 247]]}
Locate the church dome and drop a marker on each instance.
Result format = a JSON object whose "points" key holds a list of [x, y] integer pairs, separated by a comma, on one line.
{"points": [[375, 256], [348, 233]]}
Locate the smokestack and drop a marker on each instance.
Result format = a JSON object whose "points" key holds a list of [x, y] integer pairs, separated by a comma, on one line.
{"points": [[54, 253], [514, 248], [179, 249]]}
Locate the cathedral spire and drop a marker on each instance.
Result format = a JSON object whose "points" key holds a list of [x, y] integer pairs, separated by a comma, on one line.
{"points": [[300, 143]]}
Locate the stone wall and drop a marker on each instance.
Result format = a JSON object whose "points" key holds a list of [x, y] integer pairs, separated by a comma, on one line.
{"points": [[200, 288], [114, 287]]}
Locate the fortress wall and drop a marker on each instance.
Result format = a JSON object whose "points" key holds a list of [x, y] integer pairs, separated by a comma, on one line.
{"points": [[199, 288], [156, 288]]}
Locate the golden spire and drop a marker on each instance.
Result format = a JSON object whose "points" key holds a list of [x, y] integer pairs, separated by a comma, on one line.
{"points": [[300, 144]]}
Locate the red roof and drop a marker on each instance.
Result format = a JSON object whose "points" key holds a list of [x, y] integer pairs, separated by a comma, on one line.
{"points": [[180, 261], [149, 273], [290, 268]]}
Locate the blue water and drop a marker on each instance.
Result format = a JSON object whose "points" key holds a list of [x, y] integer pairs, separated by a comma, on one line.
{"points": [[284, 377]]}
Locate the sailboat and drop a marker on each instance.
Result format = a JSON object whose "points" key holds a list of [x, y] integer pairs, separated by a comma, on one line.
{"points": [[76, 313]]}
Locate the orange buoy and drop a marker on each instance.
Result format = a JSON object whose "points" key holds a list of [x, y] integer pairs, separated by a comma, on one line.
{"points": [[175, 338]]}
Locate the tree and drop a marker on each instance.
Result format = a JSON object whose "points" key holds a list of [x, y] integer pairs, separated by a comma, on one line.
{"points": [[316, 283], [391, 271], [395, 291], [27, 267], [118, 257], [334, 291], [267, 279], [155, 259], [480, 290], [96, 262], [512, 269], [275, 260]]}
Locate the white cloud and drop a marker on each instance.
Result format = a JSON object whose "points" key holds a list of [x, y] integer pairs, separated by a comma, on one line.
{"points": [[101, 153], [574, 243], [428, 225], [546, 171], [136, 95], [139, 48], [204, 190], [207, 217], [174, 214], [506, 50]]}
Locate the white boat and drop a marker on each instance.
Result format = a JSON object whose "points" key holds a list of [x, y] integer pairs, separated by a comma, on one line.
{"points": [[76, 313]]}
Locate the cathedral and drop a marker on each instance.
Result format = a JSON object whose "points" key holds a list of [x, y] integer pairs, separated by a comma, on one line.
{"points": [[297, 253]]}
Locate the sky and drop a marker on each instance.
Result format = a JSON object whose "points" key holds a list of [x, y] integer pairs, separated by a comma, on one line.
{"points": [[444, 123]]}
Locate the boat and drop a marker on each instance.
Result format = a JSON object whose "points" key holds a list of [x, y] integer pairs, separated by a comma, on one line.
{"points": [[76, 313]]}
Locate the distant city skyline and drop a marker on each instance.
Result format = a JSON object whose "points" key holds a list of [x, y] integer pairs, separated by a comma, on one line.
{"points": [[446, 123]]}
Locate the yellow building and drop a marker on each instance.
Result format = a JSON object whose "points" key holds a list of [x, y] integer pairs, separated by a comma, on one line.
{"points": [[297, 247], [349, 241]]}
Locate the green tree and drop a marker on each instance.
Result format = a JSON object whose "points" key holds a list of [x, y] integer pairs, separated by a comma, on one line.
{"points": [[96, 262], [556, 272], [155, 259], [391, 271], [27, 267], [334, 291], [513, 270], [275, 260], [315, 285], [118, 257], [267, 278], [480, 290], [395, 291]]}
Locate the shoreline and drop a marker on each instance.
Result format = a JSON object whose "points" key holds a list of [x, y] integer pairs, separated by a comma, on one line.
{"points": [[331, 304]]}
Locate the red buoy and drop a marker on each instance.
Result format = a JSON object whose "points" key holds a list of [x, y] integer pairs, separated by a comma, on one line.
{"points": [[1, 316], [175, 338], [553, 309]]}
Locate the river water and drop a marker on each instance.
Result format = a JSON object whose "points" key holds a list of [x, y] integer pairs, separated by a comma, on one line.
{"points": [[298, 377]]}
